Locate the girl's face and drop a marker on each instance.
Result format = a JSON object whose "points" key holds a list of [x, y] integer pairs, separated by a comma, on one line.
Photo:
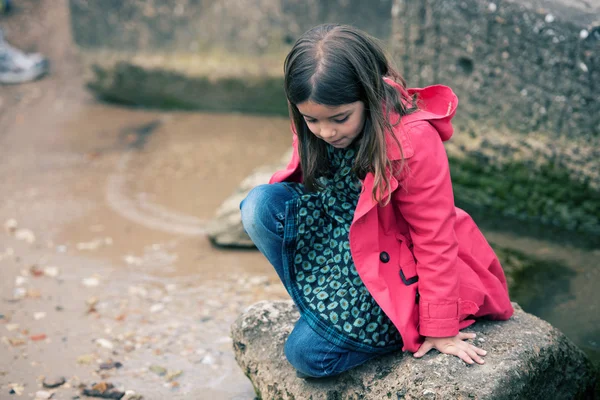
{"points": [[337, 125]]}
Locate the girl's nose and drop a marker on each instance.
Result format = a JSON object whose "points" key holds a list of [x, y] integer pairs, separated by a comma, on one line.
{"points": [[328, 133]]}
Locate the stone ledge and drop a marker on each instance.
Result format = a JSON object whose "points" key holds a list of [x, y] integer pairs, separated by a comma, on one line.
{"points": [[527, 359]]}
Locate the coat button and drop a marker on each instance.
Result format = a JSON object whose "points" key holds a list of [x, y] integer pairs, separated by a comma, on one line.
{"points": [[384, 257]]}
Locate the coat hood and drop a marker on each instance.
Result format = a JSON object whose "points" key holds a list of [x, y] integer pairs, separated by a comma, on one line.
{"points": [[436, 104]]}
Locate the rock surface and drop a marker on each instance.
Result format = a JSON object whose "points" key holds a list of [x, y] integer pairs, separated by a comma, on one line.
{"points": [[527, 359], [226, 229]]}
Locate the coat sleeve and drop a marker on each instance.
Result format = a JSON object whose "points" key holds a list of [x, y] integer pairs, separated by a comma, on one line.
{"points": [[292, 172], [426, 202]]}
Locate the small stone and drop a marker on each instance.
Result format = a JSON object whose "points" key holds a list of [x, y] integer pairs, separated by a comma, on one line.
{"points": [[492, 7], [12, 327], [133, 260], [549, 18], [10, 226], [16, 388], [90, 282], [20, 280], [208, 360], [583, 34], [51, 271], [51, 383], [110, 365], [107, 344], [43, 395], [157, 307], [103, 390], [25, 235], [39, 315]]}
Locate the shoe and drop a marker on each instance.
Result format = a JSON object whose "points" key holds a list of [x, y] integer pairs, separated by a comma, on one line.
{"points": [[5, 6], [18, 67]]}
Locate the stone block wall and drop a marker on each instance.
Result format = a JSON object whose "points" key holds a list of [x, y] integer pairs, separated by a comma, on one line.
{"points": [[528, 66]]}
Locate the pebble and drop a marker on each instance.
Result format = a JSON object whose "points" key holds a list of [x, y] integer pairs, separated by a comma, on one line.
{"points": [[110, 365], [43, 395], [20, 280], [39, 315], [16, 388], [51, 271], [90, 282], [10, 226], [51, 383], [25, 235], [157, 307], [107, 344]]}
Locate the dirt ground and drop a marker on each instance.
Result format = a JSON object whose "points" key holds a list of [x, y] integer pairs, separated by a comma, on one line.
{"points": [[106, 273]]}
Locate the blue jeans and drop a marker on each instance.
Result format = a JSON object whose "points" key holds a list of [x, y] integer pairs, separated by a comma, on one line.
{"points": [[263, 217]]}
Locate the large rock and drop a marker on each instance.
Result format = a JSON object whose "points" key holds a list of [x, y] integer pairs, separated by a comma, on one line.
{"points": [[226, 229], [527, 359]]}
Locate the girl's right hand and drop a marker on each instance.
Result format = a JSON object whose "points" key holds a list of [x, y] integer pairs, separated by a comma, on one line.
{"points": [[454, 345]]}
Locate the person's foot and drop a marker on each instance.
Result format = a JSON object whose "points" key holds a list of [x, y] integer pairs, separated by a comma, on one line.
{"points": [[18, 67]]}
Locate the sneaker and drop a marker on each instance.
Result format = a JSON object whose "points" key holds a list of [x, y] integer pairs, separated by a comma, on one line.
{"points": [[5, 6], [18, 67]]}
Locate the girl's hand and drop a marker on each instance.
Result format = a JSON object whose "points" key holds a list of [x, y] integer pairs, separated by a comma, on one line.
{"points": [[454, 345]]}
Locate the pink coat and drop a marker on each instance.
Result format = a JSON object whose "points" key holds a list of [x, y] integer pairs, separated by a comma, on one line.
{"points": [[422, 259]]}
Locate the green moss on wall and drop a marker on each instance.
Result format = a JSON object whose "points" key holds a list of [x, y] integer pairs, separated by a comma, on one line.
{"points": [[544, 194], [131, 84]]}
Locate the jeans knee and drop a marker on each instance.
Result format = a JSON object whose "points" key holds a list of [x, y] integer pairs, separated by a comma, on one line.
{"points": [[304, 359], [251, 207]]}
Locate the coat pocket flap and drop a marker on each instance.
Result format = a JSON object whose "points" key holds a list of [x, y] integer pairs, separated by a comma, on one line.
{"points": [[408, 266]]}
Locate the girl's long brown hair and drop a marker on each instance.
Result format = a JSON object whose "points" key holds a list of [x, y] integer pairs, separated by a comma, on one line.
{"points": [[335, 65]]}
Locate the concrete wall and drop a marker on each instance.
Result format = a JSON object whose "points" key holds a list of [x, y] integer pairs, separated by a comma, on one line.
{"points": [[530, 65]]}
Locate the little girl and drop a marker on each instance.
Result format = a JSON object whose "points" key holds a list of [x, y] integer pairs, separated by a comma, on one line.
{"points": [[361, 226]]}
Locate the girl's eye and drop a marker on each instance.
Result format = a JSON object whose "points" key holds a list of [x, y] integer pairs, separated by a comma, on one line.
{"points": [[310, 121], [339, 121]]}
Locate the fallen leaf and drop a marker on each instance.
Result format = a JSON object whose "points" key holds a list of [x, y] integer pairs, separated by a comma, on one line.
{"points": [[37, 338], [158, 370], [101, 387], [35, 270], [171, 375], [85, 359], [16, 341]]}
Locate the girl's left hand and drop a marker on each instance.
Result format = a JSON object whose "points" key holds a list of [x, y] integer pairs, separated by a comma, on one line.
{"points": [[454, 345]]}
